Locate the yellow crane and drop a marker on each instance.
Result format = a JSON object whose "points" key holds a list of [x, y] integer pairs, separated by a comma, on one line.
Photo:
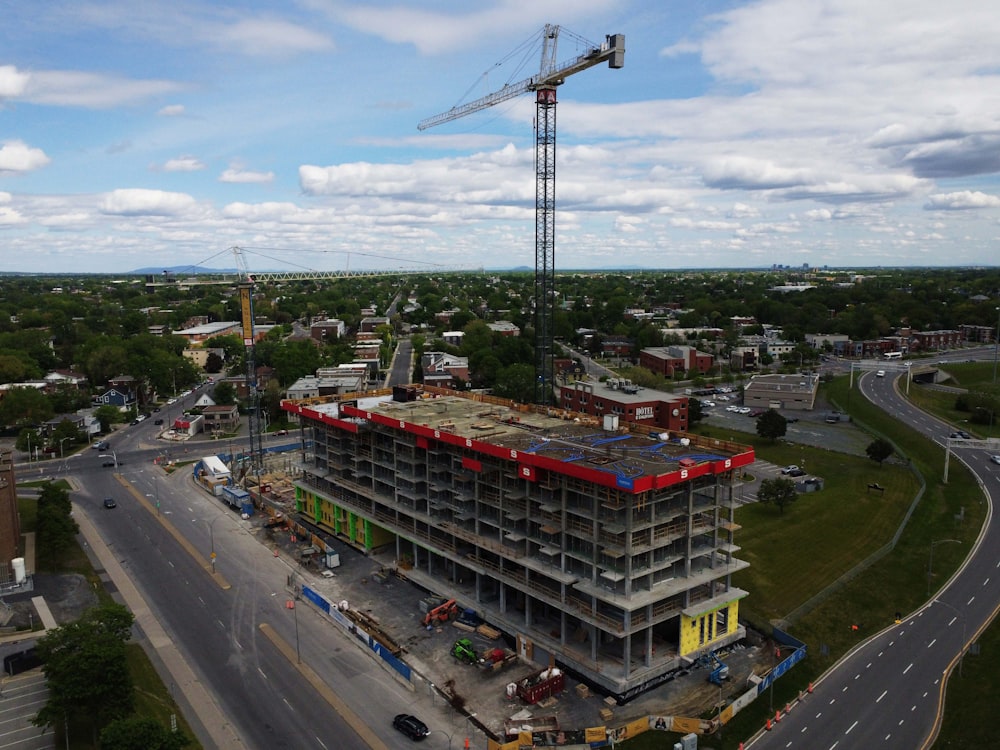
{"points": [[550, 75]]}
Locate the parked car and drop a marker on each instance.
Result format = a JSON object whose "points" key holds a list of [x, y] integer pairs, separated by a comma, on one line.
{"points": [[411, 726], [797, 473], [789, 469], [109, 502]]}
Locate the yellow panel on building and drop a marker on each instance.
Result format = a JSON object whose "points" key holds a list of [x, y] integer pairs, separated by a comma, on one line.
{"points": [[703, 630]]}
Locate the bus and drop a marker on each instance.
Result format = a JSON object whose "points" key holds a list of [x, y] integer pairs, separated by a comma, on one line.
{"points": [[893, 355]]}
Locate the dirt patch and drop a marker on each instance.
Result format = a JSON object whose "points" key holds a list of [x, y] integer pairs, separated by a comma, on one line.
{"points": [[68, 596]]}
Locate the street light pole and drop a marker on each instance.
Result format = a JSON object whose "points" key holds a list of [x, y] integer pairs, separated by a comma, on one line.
{"points": [[930, 559], [61, 441], [211, 537]]}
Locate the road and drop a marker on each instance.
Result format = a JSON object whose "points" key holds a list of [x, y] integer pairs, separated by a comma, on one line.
{"points": [[220, 625], [889, 691]]}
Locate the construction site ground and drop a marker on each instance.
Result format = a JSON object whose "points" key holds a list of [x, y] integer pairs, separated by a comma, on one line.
{"points": [[370, 586]]}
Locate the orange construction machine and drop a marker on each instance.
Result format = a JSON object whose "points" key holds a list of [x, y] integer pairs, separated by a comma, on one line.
{"points": [[441, 614]]}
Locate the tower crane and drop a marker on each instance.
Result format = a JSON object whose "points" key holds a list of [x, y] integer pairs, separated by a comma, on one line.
{"points": [[551, 74]]}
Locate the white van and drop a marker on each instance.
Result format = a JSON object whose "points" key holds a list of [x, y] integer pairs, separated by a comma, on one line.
{"points": [[880, 374]]}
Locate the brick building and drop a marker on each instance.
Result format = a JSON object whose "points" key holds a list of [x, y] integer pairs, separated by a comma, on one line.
{"points": [[622, 398], [666, 360]]}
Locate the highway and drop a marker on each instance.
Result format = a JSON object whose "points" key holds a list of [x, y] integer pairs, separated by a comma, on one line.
{"points": [[889, 691]]}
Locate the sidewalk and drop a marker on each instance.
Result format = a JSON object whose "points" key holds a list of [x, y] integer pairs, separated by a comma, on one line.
{"points": [[200, 708]]}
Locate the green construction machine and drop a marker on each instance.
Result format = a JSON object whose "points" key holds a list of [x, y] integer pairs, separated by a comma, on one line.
{"points": [[463, 651]]}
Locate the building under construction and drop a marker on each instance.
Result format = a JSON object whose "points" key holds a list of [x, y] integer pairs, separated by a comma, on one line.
{"points": [[606, 545]]}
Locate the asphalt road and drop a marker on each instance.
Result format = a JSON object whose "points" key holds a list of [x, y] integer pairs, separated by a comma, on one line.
{"points": [[162, 534], [889, 691]]}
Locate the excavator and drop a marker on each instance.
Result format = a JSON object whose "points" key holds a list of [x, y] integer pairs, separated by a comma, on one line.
{"points": [[441, 614]]}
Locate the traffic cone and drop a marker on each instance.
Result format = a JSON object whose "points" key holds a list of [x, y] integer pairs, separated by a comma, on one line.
{"points": [[768, 725], [777, 716], [810, 688]]}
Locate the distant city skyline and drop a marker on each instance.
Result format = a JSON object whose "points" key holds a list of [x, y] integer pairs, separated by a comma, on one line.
{"points": [[737, 135]]}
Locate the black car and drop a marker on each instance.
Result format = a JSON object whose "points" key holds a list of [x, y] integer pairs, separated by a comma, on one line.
{"points": [[109, 502], [411, 726], [111, 464], [796, 473], [157, 421]]}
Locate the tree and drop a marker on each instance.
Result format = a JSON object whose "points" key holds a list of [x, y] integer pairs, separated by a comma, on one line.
{"points": [[695, 411], [879, 450], [28, 440], [86, 669], [224, 393], [141, 733], [213, 363], [108, 415], [23, 407], [55, 527], [771, 425], [517, 383], [780, 492]]}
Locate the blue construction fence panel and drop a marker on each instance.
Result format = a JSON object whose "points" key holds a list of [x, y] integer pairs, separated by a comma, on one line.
{"points": [[798, 654], [335, 614]]}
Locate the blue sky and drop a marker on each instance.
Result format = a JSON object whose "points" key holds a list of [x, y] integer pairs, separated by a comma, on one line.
{"points": [[738, 134]]}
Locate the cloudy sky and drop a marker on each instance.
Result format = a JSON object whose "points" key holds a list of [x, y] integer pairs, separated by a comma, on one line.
{"points": [[739, 134]]}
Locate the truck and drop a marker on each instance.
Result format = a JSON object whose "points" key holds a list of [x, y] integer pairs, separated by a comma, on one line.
{"points": [[540, 685]]}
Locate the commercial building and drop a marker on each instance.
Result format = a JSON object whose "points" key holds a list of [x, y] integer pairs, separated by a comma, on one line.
{"points": [[630, 403], [605, 545], [796, 391]]}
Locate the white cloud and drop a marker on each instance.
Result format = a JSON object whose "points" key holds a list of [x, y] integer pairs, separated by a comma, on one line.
{"points": [[69, 88], [685, 223], [239, 175], [742, 210], [183, 164], [10, 217], [271, 36], [962, 199], [19, 157], [143, 202], [12, 82], [171, 110]]}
